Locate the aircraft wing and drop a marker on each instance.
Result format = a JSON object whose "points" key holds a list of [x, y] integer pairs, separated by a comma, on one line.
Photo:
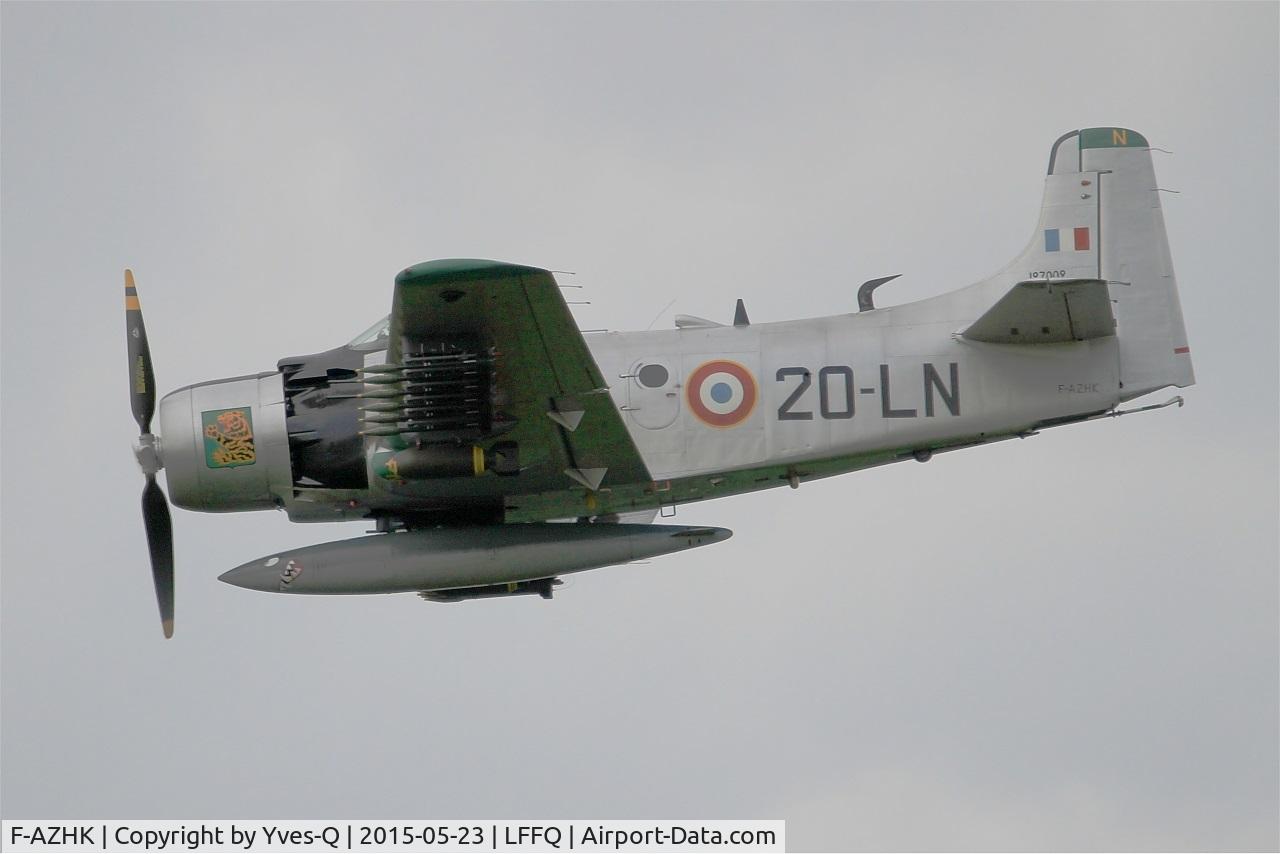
{"points": [[1047, 312], [549, 395]]}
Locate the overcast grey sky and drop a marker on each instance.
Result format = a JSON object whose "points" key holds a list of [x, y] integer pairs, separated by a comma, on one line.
{"points": [[1066, 642]]}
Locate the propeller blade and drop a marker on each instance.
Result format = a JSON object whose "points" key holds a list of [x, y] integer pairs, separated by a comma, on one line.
{"points": [[155, 514], [142, 382], [155, 507]]}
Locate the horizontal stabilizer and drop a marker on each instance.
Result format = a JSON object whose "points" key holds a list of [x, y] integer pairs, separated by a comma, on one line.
{"points": [[1047, 312]]}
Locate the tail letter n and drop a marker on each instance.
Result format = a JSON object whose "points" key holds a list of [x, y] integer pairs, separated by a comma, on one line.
{"points": [[1119, 136], [950, 396]]}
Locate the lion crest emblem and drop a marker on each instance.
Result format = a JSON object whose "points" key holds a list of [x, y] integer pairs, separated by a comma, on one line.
{"points": [[228, 438]]}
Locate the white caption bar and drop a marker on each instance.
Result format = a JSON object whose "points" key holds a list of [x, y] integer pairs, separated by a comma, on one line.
{"points": [[297, 837]]}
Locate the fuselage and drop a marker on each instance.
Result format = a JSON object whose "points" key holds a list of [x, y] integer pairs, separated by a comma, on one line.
{"points": [[700, 402]]}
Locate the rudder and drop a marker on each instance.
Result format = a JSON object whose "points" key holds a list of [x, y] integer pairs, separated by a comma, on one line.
{"points": [[1132, 253]]}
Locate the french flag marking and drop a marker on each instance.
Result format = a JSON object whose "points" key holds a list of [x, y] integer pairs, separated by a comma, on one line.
{"points": [[1079, 239]]}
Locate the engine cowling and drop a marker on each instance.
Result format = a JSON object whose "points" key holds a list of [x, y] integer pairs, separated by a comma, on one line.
{"points": [[322, 410], [224, 444]]}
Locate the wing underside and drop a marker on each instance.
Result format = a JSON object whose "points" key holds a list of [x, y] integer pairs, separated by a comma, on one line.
{"points": [[486, 354]]}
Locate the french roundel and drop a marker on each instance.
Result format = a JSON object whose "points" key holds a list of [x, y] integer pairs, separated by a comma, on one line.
{"points": [[721, 393]]}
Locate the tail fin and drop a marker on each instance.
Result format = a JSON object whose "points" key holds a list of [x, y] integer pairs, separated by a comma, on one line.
{"points": [[1102, 209]]}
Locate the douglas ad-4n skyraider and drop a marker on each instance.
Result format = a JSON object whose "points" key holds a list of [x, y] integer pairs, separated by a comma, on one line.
{"points": [[477, 412]]}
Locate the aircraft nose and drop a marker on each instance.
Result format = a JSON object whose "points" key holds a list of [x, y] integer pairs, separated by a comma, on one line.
{"points": [[261, 574]]}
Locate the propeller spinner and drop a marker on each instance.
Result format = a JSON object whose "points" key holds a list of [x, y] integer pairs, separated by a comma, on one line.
{"points": [[155, 507]]}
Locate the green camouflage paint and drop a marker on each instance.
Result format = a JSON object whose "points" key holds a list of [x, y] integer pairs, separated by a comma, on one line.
{"points": [[1112, 138]]}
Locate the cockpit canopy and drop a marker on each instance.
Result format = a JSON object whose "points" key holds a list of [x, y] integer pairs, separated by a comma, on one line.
{"points": [[373, 335]]}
